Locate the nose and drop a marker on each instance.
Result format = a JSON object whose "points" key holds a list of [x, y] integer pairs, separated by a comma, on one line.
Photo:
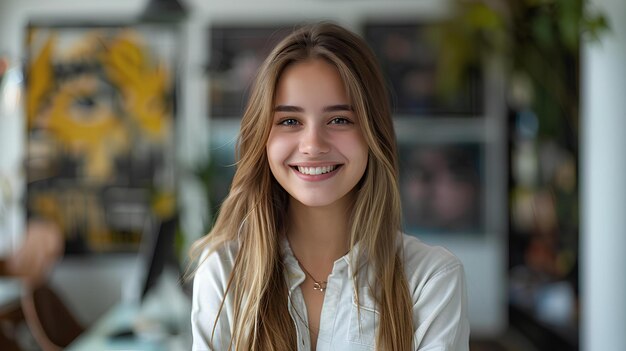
{"points": [[314, 141]]}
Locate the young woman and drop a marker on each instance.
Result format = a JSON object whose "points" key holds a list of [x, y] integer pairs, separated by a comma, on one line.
{"points": [[307, 251]]}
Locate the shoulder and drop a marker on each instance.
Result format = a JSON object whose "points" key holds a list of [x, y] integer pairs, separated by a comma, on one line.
{"points": [[418, 255], [216, 264], [424, 263], [225, 252], [220, 257]]}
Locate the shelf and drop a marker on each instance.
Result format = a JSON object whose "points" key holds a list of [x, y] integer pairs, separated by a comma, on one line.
{"points": [[440, 129]]}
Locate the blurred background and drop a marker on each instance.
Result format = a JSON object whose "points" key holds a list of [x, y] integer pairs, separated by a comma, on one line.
{"points": [[118, 121]]}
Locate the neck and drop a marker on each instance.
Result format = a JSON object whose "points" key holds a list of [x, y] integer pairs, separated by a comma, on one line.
{"points": [[319, 234]]}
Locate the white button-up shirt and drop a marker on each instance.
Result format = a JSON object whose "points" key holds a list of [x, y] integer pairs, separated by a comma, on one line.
{"points": [[435, 278]]}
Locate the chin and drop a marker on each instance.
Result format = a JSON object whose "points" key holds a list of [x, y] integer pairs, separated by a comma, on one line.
{"points": [[318, 200], [308, 202]]}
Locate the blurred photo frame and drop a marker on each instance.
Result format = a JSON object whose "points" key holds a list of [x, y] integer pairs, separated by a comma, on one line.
{"points": [[99, 131], [236, 53], [409, 54], [443, 188]]}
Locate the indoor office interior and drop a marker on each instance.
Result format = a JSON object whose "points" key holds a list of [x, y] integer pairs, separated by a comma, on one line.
{"points": [[118, 122]]}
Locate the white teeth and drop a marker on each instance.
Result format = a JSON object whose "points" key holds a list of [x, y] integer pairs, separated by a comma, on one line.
{"points": [[316, 170]]}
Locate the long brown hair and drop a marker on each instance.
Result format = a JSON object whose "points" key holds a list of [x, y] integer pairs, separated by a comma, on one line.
{"points": [[254, 213]]}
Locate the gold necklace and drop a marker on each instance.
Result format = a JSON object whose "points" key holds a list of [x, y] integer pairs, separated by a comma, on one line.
{"points": [[318, 285]]}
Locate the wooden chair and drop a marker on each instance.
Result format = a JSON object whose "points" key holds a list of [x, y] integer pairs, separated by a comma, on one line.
{"points": [[8, 344], [52, 324]]}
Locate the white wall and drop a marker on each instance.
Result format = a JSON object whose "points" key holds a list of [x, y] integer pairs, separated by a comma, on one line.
{"points": [[484, 258], [11, 141], [603, 166]]}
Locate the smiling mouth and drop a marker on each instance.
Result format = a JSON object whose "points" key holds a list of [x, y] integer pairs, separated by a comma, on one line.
{"points": [[316, 170]]}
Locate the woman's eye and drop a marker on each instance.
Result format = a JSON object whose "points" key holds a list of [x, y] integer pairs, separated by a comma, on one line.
{"points": [[289, 122], [340, 120]]}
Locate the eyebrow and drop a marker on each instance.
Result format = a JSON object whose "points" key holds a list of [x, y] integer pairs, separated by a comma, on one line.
{"points": [[331, 108]]}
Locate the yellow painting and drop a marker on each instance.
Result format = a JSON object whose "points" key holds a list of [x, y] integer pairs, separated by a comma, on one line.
{"points": [[100, 120]]}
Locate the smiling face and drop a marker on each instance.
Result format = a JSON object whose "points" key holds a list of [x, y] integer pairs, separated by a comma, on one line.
{"points": [[316, 150]]}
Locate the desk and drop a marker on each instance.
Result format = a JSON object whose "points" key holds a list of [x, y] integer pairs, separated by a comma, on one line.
{"points": [[160, 319], [124, 316]]}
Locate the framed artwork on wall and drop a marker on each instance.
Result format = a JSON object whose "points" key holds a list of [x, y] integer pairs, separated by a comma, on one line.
{"points": [[409, 54], [442, 188], [236, 53], [100, 144]]}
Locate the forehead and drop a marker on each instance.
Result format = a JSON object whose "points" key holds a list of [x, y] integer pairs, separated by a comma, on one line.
{"points": [[310, 83]]}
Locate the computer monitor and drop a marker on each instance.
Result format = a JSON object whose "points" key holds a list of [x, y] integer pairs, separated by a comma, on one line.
{"points": [[157, 252]]}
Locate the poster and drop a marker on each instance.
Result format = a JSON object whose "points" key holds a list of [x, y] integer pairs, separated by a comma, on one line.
{"points": [[236, 53], [100, 118], [442, 188], [410, 54]]}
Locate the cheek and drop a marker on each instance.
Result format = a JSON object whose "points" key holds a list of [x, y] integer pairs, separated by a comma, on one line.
{"points": [[357, 149], [277, 151]]}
